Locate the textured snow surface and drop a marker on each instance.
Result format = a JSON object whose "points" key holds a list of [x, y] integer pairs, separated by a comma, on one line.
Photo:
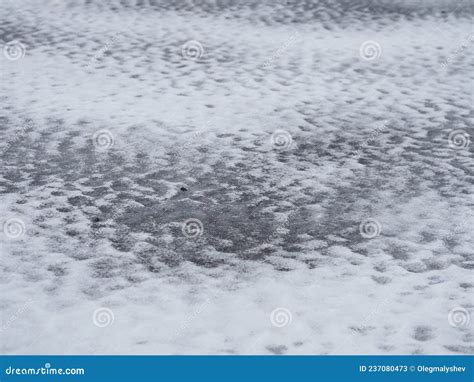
{"points": [[94, 258]]}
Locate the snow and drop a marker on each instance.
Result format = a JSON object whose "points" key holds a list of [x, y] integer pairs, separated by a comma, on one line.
{"points": [[286, 141]]}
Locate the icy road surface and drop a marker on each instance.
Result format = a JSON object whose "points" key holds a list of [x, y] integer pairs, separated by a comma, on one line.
{"points": [[236, 177]]}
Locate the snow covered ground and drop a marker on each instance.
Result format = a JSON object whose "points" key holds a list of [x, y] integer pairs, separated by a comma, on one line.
{"points": [[236, 177]]}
